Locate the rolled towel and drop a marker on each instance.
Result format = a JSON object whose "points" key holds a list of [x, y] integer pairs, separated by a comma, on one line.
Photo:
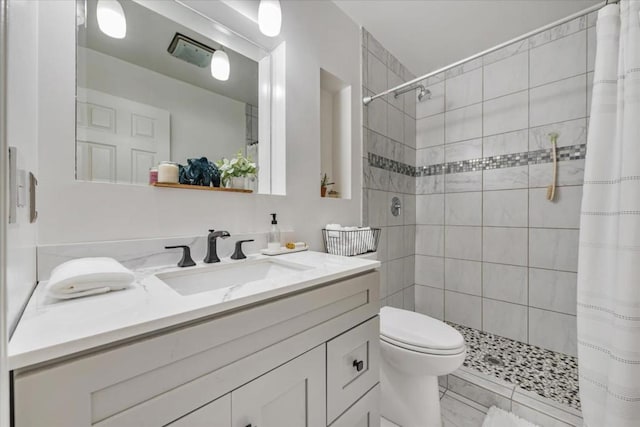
{"points": [[88, 276]]}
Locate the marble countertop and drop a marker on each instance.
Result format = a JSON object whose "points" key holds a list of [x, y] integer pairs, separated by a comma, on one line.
{"points": [[51, 328]]}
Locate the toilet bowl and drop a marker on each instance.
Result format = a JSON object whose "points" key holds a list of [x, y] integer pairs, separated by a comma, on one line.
{"points": [[415, 349]]}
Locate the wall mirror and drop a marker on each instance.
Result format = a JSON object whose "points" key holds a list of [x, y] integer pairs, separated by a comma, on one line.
{"points": [[158, 81]]}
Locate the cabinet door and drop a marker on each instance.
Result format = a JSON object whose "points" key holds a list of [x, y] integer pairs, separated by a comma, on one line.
{"points": [[364, 413], [292, 395], [214, 414]]}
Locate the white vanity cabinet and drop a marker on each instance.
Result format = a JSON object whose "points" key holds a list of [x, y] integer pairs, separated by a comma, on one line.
{"points": [[308, 359]]}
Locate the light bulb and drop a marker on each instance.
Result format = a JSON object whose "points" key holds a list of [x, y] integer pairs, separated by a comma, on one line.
{"points": [[220, 68], [269, 17], [111, 19]]}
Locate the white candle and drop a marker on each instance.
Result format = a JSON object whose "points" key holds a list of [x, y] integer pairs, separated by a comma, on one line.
{"points": [[168, 173]]}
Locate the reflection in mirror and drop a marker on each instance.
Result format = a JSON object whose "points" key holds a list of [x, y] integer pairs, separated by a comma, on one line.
{"points": [[154, 96]]}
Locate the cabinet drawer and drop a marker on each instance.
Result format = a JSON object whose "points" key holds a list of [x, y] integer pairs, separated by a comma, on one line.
{"points": [[364, 413], [352, 366], [214, 414]]}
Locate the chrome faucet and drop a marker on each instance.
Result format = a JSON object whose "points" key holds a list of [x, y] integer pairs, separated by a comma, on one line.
{"points": [[212, 250]]}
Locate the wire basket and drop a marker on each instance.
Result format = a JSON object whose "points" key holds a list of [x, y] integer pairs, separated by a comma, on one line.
{"points": [[351, 242]]}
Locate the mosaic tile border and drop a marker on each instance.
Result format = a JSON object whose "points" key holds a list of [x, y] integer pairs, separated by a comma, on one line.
{"points": [[536, 157], [547, 373]]}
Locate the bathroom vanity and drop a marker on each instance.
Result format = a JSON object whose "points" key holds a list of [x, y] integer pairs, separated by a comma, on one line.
{"points": [[297, 351]]}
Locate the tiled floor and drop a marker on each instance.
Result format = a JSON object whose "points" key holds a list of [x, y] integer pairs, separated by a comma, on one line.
{"points": [[549, 374], [460, 412]]}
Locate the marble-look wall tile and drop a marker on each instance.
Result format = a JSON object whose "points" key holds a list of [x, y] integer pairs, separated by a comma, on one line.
{"points": [[464, 181], [409, 298], [463, 208], [463, 309], [409, 242], [463, 124], [394, 80], [507, 178], [562, 58], [464, 150], [507, 113], [430, 240], [506, 208], [395, 276], [562, 212], [463, 90], [430, 209], [558, 32], [507, 76], [430, 184], [569, 173], [429, 271], [506, 52], [463, 242], [554, 331], [376, 74], [555, 249], [505, 143], [505, 245], [410, 132], [573, 132], [377, 49], [395, 242], [410, 270], [463, 276], [505, 319], [432, 105], [559, 101], [396, 300], [377, 116], [430, 301], [430, 156], [463, 68], [430, 131], [377, 213], [553, 290], [409, 212], [395, 124], [591, 48], [504, 282], [378, 144]]}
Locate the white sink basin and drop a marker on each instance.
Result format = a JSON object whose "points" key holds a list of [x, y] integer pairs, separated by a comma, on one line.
{"points": [[220, 276]]}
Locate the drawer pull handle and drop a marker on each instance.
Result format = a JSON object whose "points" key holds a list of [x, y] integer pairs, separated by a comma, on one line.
{"points": [[358, 364]]}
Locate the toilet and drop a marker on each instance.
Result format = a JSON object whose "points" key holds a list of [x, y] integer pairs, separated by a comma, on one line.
{"points": [[415, 349]]}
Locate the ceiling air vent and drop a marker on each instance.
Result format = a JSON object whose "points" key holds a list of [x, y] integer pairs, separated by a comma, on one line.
{"points": [[191, 51]]}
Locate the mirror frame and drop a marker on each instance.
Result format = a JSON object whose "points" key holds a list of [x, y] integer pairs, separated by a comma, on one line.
{"points": [[271, 83]]}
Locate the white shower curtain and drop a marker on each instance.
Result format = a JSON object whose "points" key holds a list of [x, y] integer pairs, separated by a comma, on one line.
{"points": [[609, 260]]}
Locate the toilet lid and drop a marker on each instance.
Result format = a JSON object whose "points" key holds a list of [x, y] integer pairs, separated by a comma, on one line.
{"points": [[416, 330]]}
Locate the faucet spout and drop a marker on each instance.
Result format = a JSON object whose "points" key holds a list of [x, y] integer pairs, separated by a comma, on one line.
{"points": [[212, 249]]}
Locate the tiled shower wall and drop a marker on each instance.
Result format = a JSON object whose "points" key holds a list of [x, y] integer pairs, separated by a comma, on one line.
{"points": [[492, 252], [390, 132]]}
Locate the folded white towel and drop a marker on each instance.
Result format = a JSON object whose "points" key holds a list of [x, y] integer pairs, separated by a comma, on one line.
{"points": [[88, 276]]}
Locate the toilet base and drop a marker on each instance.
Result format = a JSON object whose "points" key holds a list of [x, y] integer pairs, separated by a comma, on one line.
{"points": [[409, 400]]}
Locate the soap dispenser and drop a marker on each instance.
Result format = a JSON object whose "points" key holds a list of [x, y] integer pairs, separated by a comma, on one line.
{"points": [[273, 242]]}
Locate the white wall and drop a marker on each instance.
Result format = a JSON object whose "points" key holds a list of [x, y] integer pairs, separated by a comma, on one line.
{"points": [[22, 87], [203, 123], [317, 34]]}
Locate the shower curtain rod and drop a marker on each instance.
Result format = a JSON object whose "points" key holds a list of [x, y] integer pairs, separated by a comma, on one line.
{"points": [[367, 100]]}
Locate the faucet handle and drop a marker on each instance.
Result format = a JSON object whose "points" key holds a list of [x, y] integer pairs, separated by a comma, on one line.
{"points": [[186, 260], [238, 254]]}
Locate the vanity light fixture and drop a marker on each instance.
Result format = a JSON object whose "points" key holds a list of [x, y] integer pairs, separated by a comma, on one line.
{"points": [[111, 19], [220, 68], [269, 17]]}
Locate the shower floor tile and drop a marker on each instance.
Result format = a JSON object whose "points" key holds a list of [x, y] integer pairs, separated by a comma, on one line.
{"points": [[547, 373]]}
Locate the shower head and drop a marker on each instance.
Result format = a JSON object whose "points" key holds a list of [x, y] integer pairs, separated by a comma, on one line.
{"points": [[424, 93]]}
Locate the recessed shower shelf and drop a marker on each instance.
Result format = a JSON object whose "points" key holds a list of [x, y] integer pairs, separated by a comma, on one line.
{"points": [[200, 187]]}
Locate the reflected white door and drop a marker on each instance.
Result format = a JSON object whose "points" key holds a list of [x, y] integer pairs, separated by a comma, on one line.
{"points": [[118, 140]]}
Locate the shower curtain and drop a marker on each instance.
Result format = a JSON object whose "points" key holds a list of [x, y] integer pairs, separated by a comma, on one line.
{"points": [[609, 258]]}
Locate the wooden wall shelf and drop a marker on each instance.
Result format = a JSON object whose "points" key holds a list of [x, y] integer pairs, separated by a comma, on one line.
{"points": [[200, 187]]}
